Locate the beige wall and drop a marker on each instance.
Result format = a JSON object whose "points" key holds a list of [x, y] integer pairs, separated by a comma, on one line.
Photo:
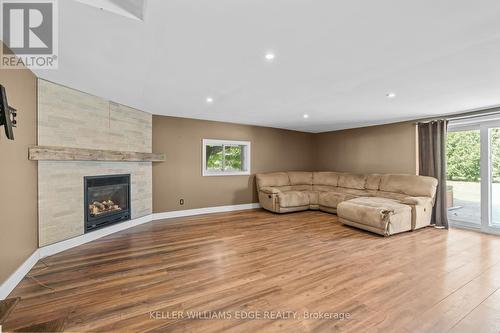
{"points": [[18, 176], [384, 149], [180, 176]]}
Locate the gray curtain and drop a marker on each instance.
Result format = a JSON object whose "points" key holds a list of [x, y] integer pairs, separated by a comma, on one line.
{"points": [[432, 162]]}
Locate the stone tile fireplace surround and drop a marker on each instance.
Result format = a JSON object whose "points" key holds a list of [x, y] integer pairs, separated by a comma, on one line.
{"points": [[70, 118]]}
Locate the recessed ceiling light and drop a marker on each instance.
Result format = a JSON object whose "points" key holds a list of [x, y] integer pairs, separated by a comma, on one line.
{"points": [[209, 100], [390, 95], [305, 116], [270, 56]]}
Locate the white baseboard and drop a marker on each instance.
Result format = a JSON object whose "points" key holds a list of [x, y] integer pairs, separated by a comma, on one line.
{"points": [[45, 251], [16, 277], [208, 210], [55, 248]]}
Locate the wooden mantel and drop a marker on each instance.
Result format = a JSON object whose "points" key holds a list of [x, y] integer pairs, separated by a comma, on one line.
{"points": [[50, 153]]}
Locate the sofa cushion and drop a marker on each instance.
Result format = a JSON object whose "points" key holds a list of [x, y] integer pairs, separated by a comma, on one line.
{"points": [[417, 201], [380, 215], [293, 198], [332, 199], [325, 178], [353, 191], [387, 195], [313, 197], [348, 180], [270, 190], [300, 178], [323, 188], [409, 184], [272, 179], [301, 188], [373, 181]]}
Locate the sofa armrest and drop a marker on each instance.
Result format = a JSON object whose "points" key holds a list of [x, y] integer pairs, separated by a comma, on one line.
{"points": [[421, 210], [269, 190], [418, 201], [268, 198]]}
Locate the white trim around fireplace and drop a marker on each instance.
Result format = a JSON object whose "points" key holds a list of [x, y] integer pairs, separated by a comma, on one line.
{"points": [[45, 251]]}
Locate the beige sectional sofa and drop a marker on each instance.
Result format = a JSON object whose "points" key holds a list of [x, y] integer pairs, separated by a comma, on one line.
{"points": [[382, 203]]}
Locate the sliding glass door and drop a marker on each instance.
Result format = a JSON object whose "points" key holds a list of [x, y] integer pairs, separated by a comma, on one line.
{"points": [[463, 177], [494, 141], [473, 179]]}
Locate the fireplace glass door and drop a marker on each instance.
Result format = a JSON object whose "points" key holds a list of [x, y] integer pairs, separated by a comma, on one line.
{"points": [[107, 200], [110, 199]]}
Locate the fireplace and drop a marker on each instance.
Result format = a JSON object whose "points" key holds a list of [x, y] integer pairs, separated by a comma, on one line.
{"points": [[107, 200]]}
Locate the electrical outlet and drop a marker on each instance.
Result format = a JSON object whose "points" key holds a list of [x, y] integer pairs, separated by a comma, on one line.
{"points": [[181, 202]]}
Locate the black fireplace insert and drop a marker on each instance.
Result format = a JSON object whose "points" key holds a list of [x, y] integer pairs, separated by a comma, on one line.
{"points": [[107, 200]]}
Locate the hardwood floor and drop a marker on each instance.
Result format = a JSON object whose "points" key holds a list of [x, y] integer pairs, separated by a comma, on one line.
{"points": [[6, 307], [151, 277]]}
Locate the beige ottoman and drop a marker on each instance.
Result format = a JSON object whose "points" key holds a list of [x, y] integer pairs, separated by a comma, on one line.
{"points": [[379, 215]]}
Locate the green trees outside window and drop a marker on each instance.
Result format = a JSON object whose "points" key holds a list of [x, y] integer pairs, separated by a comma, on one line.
{"points": [[463, 155], [495, 153], [225, 157]]}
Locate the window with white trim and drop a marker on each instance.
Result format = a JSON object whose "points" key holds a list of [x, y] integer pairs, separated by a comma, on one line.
{"points": [[225, 158]]}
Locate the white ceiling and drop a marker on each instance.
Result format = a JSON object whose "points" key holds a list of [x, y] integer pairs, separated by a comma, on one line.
{"points": [[335, 60], [128, 8]]}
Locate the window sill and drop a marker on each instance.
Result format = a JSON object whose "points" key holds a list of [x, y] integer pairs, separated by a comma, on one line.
{"points": [[236, 173]]}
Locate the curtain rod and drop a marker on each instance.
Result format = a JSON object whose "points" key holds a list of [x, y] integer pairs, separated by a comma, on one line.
{"points": [[465, 115]]}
